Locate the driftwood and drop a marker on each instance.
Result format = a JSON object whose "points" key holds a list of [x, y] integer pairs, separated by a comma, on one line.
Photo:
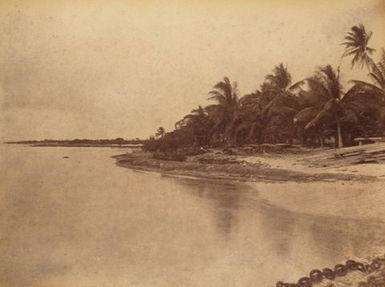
{"points": [[371, 153]]}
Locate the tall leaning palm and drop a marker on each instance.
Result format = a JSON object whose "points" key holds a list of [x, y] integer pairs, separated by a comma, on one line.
{"points": [[356, 45], [222, 113]]}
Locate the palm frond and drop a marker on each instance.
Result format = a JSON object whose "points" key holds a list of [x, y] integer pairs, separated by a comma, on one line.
{"points": [[297, 85], [306, 115], [328, 110], [367, 86]]}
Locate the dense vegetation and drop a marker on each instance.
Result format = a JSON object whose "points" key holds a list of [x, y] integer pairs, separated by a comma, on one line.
{"points": [[312, 111]]}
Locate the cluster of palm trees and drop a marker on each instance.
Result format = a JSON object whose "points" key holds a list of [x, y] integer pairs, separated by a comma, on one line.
{"points": [[280, 111]]}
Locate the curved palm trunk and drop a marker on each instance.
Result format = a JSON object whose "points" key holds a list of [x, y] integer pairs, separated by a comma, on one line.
{"points": [[339, 134]]}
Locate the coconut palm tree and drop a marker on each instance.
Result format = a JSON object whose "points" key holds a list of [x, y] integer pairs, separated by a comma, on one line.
{"points": [[278, 113], [267, 111], [222, 113], [247, 122], [325, 92], [356, 45], [332, 107], [326, 83], [198, 124]]}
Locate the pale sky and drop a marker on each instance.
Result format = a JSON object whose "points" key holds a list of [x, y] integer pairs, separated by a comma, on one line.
{"points": [[107, 69]]}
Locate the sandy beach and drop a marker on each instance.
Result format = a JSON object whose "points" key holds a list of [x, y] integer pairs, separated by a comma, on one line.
{"points": [[253, 168]]}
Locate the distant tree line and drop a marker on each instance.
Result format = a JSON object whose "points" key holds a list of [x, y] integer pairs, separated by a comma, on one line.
{"points": [[309, 111], [82, 141]]}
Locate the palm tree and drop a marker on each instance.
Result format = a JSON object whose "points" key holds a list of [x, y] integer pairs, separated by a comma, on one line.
{"points": [[282, 106], [325, 84], [222, 113], [332, 107], [356, 45], [198, 124], [326, 93], [266, 111], [247, 122]]}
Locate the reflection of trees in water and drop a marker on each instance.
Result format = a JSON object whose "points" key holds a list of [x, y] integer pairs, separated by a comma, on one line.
{"points": [[316, 239], [225, 198], [328, 237], [278, 225], [339, 237]]}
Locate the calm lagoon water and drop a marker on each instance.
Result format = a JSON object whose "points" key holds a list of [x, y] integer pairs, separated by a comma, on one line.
{"points": [[82, 221]]}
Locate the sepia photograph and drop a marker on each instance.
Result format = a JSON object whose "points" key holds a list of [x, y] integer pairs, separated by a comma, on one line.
{"points": [[191, 143]]}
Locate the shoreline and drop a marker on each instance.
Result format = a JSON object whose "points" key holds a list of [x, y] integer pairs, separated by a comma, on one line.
{"points": [[255, 168], [73, 144], [79, 145]]}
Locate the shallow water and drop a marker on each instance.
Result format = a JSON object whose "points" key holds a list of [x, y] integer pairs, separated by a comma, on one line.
{"points": [[82, 221]]}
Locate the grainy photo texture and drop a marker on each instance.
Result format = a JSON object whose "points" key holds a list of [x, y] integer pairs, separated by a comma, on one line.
{"points": [[162, 143]]}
